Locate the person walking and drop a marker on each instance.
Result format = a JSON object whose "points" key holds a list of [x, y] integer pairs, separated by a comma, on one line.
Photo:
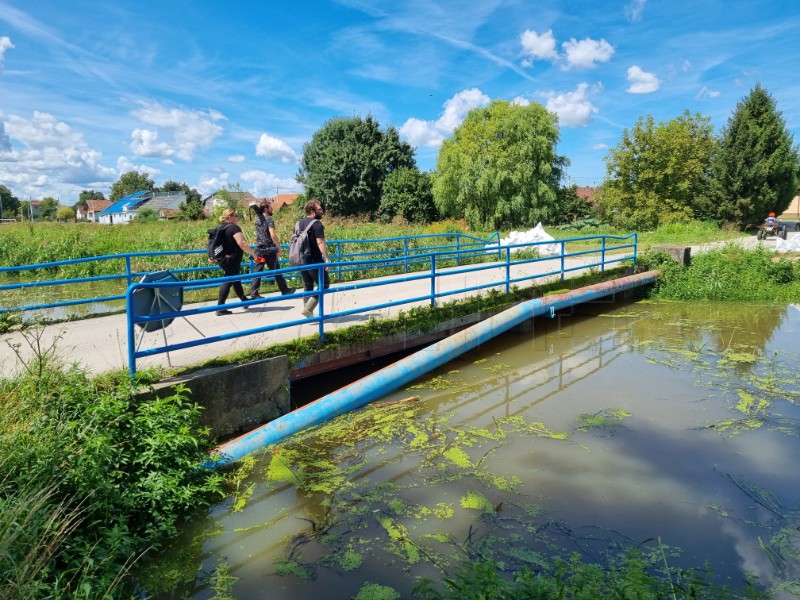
{"points": [[319, 253], [268, 248], [231, 262]]}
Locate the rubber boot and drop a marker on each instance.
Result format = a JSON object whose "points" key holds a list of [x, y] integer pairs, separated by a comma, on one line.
{"points": [[310, 305]]}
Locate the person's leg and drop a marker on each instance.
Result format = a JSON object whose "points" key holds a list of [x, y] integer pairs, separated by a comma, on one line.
{"points": [[230, 268], [255, 284], [272, 264]]}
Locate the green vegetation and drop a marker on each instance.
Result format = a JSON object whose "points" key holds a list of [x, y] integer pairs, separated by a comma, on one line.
{"points": [[92, 477], [728, 274], [346, 162], [500, 168]]}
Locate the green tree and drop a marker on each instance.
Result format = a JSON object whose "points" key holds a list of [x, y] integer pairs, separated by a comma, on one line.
{"points": [[346, 161], [500, 168], [192, 209], [409, 194], [130, 183], [659, 173], [65, 213], [146, 214], [48, 208], [756, 167], [572, 207], [9, 204]]}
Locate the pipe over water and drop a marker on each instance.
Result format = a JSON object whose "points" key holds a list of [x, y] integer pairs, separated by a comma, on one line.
{"points": [[408, 369]]}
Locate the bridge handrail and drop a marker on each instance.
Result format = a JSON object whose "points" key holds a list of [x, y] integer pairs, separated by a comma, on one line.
{"points": [[407, 246], [433, 274]]}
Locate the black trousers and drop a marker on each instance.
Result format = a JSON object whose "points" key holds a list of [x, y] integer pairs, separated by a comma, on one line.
{"points": [[311, 278], [271, 264], [231, 266]]}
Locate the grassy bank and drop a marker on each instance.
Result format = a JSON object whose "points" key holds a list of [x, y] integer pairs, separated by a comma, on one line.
{"points": [[92, 477]]}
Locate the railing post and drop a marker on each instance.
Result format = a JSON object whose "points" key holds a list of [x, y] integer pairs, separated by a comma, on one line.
{"points": [[563, 252], [128, 273], [508, 272], [603, 255], [405, 253], [433, 280], [458, 249], [130, 335], [635, 246], [321, 300]]}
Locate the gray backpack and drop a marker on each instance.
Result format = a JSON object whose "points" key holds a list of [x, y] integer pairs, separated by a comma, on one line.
{"points": [[299, 247]]}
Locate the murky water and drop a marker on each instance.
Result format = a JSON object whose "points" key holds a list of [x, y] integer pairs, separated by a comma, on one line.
{"points": [[639, 423]]}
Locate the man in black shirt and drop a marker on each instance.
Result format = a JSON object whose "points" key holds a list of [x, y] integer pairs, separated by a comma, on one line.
{"points": [[319, 253]]}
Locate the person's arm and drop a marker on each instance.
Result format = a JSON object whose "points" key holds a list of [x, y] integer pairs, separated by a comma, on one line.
{"points": [[239, 238], [323, 249], [275, 239]]}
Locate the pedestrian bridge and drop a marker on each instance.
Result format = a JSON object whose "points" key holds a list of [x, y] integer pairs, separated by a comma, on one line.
{"points": [[158, 330]]}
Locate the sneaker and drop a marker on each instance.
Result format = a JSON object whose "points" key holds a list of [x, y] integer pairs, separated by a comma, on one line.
{"points": [[223, 312], [255, 296], [289, 292], [307, 313]]}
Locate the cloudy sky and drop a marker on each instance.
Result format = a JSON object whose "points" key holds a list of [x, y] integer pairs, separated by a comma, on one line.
{"points": [[216, 93]]}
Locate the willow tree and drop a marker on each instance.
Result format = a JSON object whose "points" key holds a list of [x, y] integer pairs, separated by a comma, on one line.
{"points": [[659, 173], [756, 167], [500, 168]]}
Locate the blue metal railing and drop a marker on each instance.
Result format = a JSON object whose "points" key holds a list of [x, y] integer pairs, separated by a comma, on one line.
{"points": [[623, 248], [411, 249]]}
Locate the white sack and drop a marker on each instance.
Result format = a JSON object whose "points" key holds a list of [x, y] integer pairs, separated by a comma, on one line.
{"points": [[537, 234]]}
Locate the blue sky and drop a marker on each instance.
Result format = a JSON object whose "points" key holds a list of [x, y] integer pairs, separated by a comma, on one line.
{"points": [[217, 93]]}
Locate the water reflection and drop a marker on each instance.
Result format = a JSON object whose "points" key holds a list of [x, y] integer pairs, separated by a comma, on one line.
{"points": [[596, 432]]}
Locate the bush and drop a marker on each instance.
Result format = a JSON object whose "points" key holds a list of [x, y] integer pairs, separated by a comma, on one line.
{"points": [[90, 479]]}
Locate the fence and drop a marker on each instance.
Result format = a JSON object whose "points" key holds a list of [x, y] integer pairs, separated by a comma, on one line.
{"points": [[126, 268], [481, 267]]}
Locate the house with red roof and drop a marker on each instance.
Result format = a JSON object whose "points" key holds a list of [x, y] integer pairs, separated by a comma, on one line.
{"points": [[92, 209]]}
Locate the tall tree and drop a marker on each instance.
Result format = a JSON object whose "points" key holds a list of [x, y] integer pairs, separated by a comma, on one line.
{"points": [[130, 183], [500, 168], [409, 194], [48, 208], [9, 203], [756, 166], [346, 161], [659, 173], [192, 209]]}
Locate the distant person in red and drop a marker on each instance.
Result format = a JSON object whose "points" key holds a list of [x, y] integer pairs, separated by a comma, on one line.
{"points": [[231, 262]]}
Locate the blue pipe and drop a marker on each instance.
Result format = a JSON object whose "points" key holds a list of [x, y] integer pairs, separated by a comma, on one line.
{"points": [[408, 369]]}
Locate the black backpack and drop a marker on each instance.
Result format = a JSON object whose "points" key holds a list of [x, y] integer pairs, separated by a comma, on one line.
{"points": [[216, 243]]}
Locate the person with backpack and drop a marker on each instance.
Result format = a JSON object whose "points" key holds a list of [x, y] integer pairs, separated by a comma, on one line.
{"points": [[268, 248], [234, 249], [317, 252]]}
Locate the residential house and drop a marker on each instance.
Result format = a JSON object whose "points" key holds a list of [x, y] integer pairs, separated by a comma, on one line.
{"points": [[243, 200], [793, 211], [282, 200], [124, 210], [585, 192], [92, 210]]}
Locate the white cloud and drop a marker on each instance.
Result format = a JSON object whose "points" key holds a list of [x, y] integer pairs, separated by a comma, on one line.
{"points": [[188, 131], [600, 147], [124, 165], [237, 158], [432, 133], [50, 158], [705, 92], [271, 147], [584, 54], [266, 184], [642, 82], [5, 44], [633, 11], [538, 47], [574, 109], [520, 101], [212, 183]]}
